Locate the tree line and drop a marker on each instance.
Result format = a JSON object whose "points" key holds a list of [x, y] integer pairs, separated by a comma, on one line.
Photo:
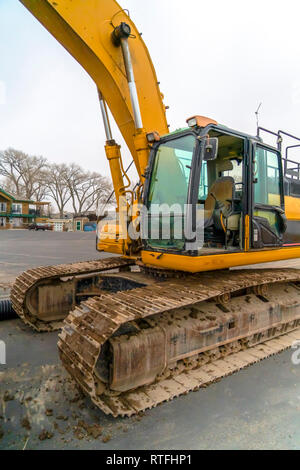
{"points": [[35, 178]]}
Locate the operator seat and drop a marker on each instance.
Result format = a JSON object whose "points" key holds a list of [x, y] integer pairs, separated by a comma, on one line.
{"points": [[219, 210], [220, 197]]}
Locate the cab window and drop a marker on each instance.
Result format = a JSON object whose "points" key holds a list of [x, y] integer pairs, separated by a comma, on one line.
{"points": [[266, 172]]}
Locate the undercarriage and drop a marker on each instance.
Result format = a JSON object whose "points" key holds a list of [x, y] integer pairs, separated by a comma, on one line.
{"points": [[137, 337]]}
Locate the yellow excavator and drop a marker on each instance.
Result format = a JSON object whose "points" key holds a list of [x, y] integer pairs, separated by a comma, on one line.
{"points": [[167, 315]]}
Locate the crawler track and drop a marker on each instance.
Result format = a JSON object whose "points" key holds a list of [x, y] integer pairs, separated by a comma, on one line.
{"points": [[173, 337], [5, 288], [32, 279]]}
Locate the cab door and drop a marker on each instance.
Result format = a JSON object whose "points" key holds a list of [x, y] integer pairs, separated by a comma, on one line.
{"points": [[268, 217]]}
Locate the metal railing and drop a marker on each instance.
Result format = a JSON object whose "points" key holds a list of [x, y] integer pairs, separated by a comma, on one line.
{"points": [[291, 168]]}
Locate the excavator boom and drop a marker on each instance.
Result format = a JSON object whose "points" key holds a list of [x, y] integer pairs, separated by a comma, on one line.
{"points": [[84, 28]]}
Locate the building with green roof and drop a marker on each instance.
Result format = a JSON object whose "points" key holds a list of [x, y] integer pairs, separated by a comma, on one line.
{"points": [[18, 213]]}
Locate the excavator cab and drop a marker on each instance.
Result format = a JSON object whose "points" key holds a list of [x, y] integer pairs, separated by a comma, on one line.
{"points": [[196, 188], [192, 191]]}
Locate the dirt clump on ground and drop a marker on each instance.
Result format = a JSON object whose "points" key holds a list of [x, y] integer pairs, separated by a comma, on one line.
{"points": [[25, 423], [45, 435], [78, 433], [62, 418], [8, 396], [106, 438], [94, 430]]}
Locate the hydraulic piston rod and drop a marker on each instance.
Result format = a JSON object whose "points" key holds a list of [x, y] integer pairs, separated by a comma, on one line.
{"points": [[113, 154], [104, 113], [120, 37]]}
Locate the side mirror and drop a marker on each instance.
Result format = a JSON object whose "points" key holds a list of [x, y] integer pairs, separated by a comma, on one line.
{"points": [[211, 148]]}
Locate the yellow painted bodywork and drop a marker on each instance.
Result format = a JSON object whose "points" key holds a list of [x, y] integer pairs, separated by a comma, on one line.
{"points": [[113, 155], [247, 232], [109, 239], [194, 264], [84, 28], [292, 208]]}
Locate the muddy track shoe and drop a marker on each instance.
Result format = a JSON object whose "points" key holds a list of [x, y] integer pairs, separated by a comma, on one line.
{"points": [[43, 296], [132, 350], [5, 288]]}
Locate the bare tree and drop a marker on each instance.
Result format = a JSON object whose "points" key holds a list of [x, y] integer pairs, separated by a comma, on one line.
{"points": [[8, 185], [55, 182], [41, 190], [101, 190], [88, 190], [10, 168], [23, 173], [33, 177]]}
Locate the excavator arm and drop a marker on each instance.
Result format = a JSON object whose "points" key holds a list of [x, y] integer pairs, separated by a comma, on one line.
{"points": [[84, 28]]}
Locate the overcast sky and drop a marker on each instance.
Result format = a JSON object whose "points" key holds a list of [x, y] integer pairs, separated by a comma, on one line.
{"points": [[215, 58]]}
